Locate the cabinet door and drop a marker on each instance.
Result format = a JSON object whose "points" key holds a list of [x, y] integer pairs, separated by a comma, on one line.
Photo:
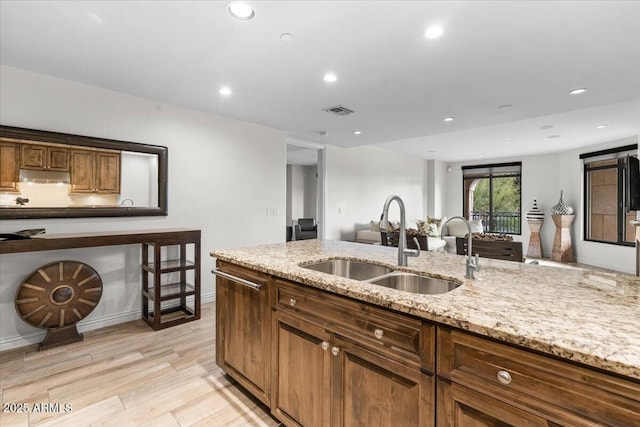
{"points": [[370, 389], [82, 172], [302, 372], [107, 178], [58, 159], [9, 171], [459, 406], [33, 157], [243, 328]]}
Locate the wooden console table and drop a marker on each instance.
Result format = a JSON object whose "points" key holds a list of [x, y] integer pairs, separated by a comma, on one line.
{"points": [[177, 301]]}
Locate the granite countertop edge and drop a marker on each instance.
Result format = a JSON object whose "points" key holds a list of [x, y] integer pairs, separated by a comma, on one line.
{"points": [[540, 324]]}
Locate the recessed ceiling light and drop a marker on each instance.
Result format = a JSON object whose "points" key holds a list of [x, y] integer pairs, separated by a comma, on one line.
{"points": [[330, 77], [241, 11], [505, 106], [553, 136], [357, 132], [323, 133], [431, 151], [601, 126], [226, 91], [448, 119], [433, 32], [578, 91], [286, 37], [508, 138], [545, 127]]}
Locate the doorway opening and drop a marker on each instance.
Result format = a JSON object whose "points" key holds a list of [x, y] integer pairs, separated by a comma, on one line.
{"points": [[305, 190]]}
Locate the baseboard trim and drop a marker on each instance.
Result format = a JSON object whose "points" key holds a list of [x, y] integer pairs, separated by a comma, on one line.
{"points": [[11, 343]]}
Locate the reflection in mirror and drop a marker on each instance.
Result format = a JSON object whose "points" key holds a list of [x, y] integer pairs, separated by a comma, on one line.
{"points": [[43, 188], [49, 175]]}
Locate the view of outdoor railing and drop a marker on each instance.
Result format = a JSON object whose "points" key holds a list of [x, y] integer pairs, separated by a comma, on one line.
{"points": [[499, 222]]}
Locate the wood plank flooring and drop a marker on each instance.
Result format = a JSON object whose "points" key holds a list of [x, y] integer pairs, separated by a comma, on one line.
{"points": [[127, 375]]}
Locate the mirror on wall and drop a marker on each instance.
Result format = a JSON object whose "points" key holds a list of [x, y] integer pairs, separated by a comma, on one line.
{"points": [[53, 175]]}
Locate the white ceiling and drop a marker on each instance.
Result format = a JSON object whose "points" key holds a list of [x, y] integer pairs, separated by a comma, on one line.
{"points": [[529, 54]]}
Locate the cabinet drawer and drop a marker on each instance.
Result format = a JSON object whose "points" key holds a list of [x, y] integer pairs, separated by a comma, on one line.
{"points": [[393, 333], [557, 390]]}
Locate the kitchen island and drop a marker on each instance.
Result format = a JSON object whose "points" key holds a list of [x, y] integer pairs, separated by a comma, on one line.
{"points": [[584, 324]]}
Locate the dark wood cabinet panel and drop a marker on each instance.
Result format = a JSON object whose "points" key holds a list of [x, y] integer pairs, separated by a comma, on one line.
{"points": [[302, 372], [243, 329], [336, 361], [9, 170], [459, 406], [376, 374], [95, 171], [373, 390], [44, 157], [551, 389], [107, 175]]}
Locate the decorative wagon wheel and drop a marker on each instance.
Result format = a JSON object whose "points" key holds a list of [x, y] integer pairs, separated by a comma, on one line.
{"points": [[56, 296]]}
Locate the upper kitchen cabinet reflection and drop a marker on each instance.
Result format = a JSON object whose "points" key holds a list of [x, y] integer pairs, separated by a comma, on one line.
{"points": [[53, 175]]}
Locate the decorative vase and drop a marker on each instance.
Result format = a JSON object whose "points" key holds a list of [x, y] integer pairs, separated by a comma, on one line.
{"points": [[561, 208], [535, 213]]}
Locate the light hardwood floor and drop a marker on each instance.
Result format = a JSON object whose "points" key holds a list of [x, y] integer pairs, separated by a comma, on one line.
{"points": [[128, 375]]}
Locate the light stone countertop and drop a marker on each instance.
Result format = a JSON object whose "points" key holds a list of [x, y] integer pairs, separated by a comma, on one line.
{"points": [[590, 317]]}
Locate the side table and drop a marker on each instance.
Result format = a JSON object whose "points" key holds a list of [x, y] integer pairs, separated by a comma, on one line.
{"points": [[535, 246], [562, 248]]}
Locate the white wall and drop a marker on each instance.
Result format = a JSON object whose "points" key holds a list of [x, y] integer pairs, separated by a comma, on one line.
{"points": [[310, 191], [137, 171], [359, 180], [223, 175], [542, 178], [436, 187], [295, 191], [302, 192]]}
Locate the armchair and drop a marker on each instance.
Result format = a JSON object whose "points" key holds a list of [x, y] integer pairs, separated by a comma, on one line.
{"points": [[306, 228]]}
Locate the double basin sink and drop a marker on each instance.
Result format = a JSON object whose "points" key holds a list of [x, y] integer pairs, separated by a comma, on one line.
{"points": [[383, 276]]}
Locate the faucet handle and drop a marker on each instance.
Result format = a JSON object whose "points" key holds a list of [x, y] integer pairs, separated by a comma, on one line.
{"points": [[476, 262], [413, 252]]}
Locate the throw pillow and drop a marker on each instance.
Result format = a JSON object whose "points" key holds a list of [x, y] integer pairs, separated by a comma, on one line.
{"points": [[438, 222], [476, 226]]}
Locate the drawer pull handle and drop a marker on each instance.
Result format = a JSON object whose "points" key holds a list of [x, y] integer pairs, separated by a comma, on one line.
{"points": [[237, 279], [504, 377], [378, 333], [292, 301], [335, 351], [325, 345]]}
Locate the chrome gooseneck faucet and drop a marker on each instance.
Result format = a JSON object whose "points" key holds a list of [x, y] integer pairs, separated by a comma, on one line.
{"points": [[403, 252], [472, 264]]}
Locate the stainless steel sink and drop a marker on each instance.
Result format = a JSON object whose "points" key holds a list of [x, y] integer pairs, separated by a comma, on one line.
{"points": [[409, 282], [351, 269]]}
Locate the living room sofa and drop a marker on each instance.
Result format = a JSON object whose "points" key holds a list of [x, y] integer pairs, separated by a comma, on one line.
{"points": [[372, 236]]}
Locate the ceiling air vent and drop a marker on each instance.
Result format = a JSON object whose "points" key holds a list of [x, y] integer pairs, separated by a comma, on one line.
{"points": [[338, 110]]}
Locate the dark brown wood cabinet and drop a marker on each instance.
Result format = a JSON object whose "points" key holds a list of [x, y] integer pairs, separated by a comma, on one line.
{"points": [[95, 171], [340, 362], [460, 406], [483, 382], [301, 372], [243, 328], [9, 167], [44, 157], [321, 359]]}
